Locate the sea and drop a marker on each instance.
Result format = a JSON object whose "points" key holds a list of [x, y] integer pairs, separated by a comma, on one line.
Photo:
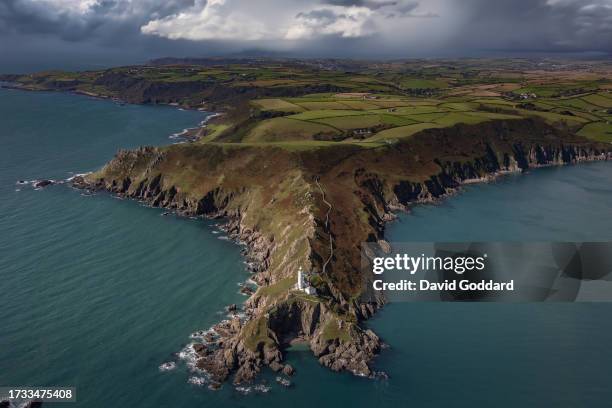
{"points": [[96, 292]]}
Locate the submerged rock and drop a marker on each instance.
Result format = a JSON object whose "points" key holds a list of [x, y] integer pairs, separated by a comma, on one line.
{"points": [[168, 366], [288, 370], [42, 183]]}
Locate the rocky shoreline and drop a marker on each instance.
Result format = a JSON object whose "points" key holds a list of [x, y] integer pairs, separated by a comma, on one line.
{"points": [[275, 314], [219, 351]]}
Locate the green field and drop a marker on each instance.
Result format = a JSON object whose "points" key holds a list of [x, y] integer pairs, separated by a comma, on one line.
{"points": [[298, 104], [286, 129], [403, 131], [601, 131], [424, 84], [277, 105], [328, 117], [599, 100]]}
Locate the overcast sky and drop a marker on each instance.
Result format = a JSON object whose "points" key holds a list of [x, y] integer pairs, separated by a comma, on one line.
{"points": [[87, 33]]}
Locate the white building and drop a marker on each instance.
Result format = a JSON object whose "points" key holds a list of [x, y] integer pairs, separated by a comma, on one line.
{"points": [[303, 284]]}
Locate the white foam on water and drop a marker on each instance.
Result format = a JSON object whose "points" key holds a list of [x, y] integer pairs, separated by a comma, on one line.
{"points": [[201, 334], [168, 366], [195, 380], [244, 390], [179, 134], [261, 388], [189, 356], [283, 381], [77, 175], [258, 388]]}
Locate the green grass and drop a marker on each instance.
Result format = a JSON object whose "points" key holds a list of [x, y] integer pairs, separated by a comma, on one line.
{"points": [[451, 119], [600, 131], [213, 130], [322, 105], [426, 117], [278, 288], [385, 103], [491, 115], [588, 116], [494, 101], [415, 83], [599, 100], [257, 334], [332, 331], [320, 114], [577, 103], [402, 131], [460, 106], [552, 89], [357, 104], [277, 105], [410, 110], [286, 129], [552, 117], [365, 121], [296, 145]]}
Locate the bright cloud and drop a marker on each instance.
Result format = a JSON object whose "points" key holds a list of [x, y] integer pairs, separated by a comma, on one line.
{"points": [[209, 20], [70, 6], [268, 20], [348, 22]]}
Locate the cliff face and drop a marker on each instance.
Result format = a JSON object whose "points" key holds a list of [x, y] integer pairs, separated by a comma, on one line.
{"points": [[312, 209]]}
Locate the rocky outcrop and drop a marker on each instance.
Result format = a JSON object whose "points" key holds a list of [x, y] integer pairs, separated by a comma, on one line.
{"points": [[271, 199], [42, 183], [454, 174]]}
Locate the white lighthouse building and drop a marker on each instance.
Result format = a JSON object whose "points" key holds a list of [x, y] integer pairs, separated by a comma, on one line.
{"points": [[303, 284]]}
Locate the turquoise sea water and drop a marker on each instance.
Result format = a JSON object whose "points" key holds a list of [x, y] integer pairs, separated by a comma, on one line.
{"points": [[97, 292]]}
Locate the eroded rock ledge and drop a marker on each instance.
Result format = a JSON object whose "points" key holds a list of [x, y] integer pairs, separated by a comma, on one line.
{"points": [[269, 200]]}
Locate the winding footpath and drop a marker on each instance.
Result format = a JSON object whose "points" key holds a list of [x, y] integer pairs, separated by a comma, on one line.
{"points": [[331, 239]]}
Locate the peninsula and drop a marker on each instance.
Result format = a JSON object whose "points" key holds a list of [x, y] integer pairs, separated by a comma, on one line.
{"points": [[309, 158]]}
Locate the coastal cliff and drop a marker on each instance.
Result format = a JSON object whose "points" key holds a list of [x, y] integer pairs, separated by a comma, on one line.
{"points": [[312, 208]]}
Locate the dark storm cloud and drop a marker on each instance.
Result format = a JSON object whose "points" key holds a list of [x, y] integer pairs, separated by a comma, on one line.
{"points": [[371, 4], [344, 28], [65, 20], [537, 25]]}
